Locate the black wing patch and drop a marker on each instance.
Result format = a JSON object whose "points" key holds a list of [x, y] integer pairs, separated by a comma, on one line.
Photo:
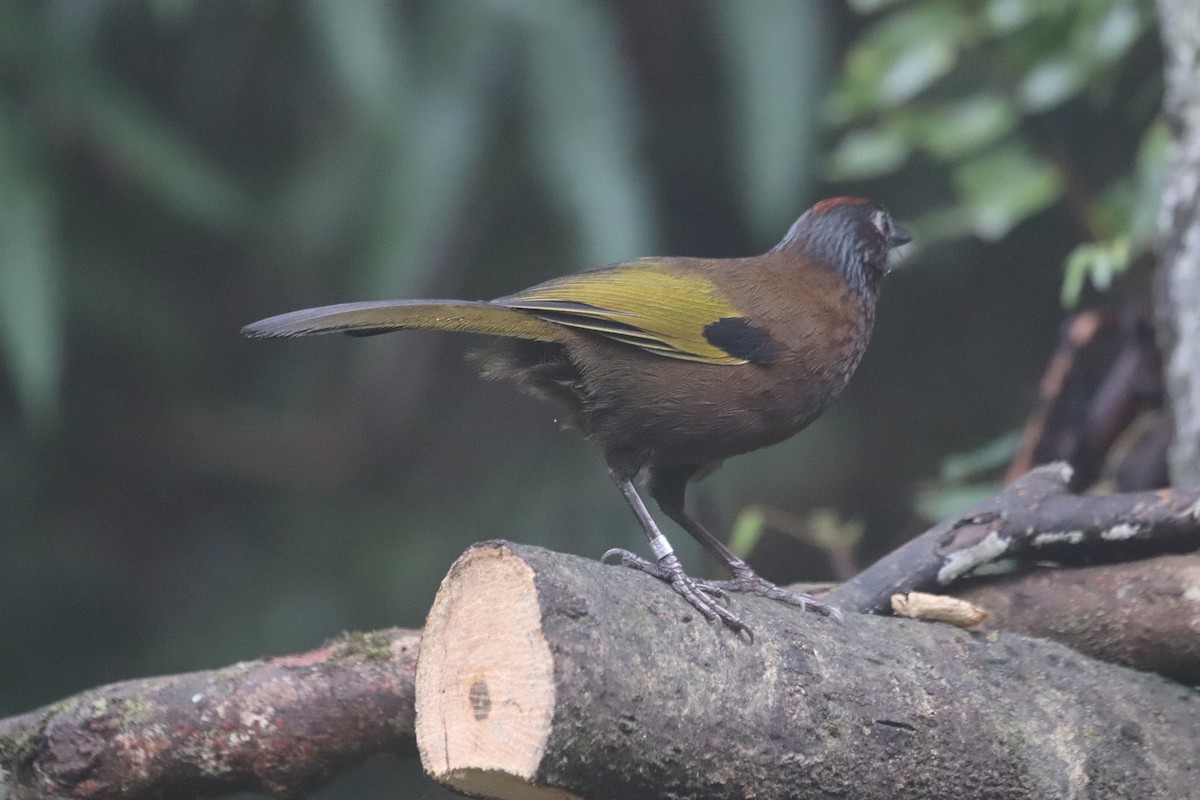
{"points": [[741, 339]]}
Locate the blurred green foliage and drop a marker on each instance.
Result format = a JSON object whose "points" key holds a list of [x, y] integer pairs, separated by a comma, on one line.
{"points": [[173, 497], [975, 93], [969, 87]]}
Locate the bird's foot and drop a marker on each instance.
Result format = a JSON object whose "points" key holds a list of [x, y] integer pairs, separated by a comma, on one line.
{"points": [[709, 599], [748, 582]]}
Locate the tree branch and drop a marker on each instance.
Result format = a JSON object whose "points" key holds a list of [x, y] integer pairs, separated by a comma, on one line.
{"points": [[1142, 614], [547, 675], [279, 725], [1035, 516], [286, 725]]}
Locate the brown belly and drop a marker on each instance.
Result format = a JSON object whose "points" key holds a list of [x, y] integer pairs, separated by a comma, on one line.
{"points": [[663, 411]]}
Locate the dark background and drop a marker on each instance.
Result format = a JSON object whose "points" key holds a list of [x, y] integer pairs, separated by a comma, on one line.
{"points": [[173, 497]]}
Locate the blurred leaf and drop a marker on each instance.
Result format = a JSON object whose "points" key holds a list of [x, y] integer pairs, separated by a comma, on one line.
{"points": [[1097, 262], [1148, 184], [1108, 35], [442, 134], [420, 107], [962, 483], [823, 527], [945, 502], [584, 127], [952, 222], [364, 45], [867, 153], [1004, 187], [748, 529], [830, 531], [154, 155], [1052, 81], [986, 458], [776, 56], [1126, 216], [1017, 58], [1005, 16], [1100, 32], [871, 6], [126, 131], [31, 315], [958, 129], [899, 57]]}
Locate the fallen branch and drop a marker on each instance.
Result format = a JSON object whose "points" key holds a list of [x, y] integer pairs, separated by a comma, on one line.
{"points": [[1143, 614], [1034, 517], [546, 675], [279, 725]]}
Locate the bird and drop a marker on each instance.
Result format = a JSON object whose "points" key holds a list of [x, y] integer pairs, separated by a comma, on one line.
{"points": [[670, 365]]}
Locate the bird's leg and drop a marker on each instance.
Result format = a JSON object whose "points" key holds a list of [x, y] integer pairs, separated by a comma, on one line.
{"points": [[704, 597], [667, 487]]}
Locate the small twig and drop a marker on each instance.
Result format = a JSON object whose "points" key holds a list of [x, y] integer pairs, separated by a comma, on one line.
{"points": [[1035, 515], [1133, 380], [1079, 419], [1077, 333]]}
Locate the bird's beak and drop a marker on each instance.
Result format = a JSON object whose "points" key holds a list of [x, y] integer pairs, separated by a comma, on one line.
{"points": [[900, 235]]}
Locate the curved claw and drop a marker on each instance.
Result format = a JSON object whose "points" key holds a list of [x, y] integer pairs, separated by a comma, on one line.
{"points": [[627, 558], [751, 583], [710, 599]]}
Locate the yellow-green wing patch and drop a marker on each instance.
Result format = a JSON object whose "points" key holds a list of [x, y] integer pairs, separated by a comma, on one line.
{"points": [[644, 305]]}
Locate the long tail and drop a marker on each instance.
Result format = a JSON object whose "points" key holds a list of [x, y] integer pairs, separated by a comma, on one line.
{"points": [[366, 319]]}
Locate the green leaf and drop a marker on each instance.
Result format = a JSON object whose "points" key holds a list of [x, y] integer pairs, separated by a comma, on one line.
{"points": [[1006, 16], [776, 55], [867, 153], [1005, 187], [1148, 183], [900, 57], [31, 314], [747, 531], [1094, 262], [1110, 35], [914, 70], [828, 530], [1052, 81], [957, 129]]}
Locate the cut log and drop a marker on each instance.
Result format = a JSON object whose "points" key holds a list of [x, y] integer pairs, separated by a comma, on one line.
{"points": [[544, 675]]}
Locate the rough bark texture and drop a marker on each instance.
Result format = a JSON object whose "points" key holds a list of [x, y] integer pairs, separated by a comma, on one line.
{"points": [[1034, 517], [1178, 301], [1143, 614], [649, 701], [284, 725], [279, 725]]}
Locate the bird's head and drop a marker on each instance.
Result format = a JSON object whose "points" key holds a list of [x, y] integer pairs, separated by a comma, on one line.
{"points": [[849, 234]]}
